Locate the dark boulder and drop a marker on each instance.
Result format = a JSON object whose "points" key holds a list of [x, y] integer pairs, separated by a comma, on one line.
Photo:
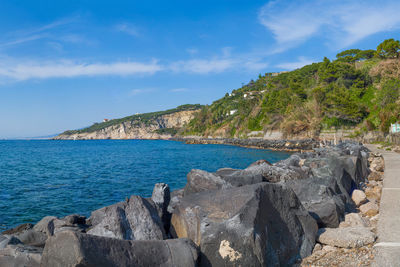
{"points": [[176, 197], [75, 249], [51, 225], [255, 225], [18, 229], [32, 238], [15, 255], [198, 181], [161, 197], [135, 219], [326, 205]]}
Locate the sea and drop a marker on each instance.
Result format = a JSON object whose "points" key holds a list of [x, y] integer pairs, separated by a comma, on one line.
{"points": [[52, 177]]}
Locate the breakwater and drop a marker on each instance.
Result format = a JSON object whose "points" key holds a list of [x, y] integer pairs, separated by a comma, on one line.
{"points": [[262, 215]]}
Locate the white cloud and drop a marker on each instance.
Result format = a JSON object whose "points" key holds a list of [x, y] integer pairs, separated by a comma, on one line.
{"points": [[135, 92], [227, 62], [192, 51], [340, 21], [302, 61], [128, 29], [68, 69], [203, 66], [33, 34], [178, 90]]}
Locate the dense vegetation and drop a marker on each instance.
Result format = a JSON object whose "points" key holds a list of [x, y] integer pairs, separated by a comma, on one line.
{"points": [[145, 118], [360, 90]]}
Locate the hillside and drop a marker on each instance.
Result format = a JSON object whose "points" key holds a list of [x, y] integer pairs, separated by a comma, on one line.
{"points": [[154, 125], [358, 91], [355, 94]]}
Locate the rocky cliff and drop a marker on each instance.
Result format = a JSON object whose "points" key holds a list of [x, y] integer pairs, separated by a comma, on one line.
{"points": [[159, 125]]}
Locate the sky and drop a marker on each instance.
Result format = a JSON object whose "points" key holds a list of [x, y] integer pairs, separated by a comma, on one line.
{"points": [[66, 64]]}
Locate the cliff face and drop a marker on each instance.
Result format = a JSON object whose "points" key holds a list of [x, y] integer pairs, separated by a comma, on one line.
{"points": [[135, 129]]}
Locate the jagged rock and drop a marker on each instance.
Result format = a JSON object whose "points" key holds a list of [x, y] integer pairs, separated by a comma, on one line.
{"points": [[325, 205], [26, 234], [18, 229], [317, 247], [32, 238], [45, 225], [161, 197], [348, 237], [176, 197], [359, 197], [259, 162], [198, 180], [369, 209], [51, 225], [74, 219], [6, 240], [373, 193], [87, 250], [353, 220], [377, 164], [375, 176], [253, 225], [236, 178], [20, 255], [135, 219]]}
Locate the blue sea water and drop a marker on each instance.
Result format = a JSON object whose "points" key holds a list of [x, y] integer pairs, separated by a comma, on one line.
{"points": [[47, 177]]}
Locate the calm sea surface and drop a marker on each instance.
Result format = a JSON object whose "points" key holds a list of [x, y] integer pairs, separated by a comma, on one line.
{"points": [[40, 178]]}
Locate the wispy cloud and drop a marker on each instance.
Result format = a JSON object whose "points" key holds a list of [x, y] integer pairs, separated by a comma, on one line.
{"points": [[341, 21], [192, 51], [179, 90], [302, 61], [68, 69], [33, 34], [135, 92], [226, 61], [203, 66], [128, 28]]}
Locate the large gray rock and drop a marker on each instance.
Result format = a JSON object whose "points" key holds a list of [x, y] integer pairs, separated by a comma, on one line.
{"points": [[354, 220], [255, 225], [26, 234], [176, 197], [6, 240], [45, 225], [348, 237], [325, 204], [161, 197], [198, 181], [74, 249], [32, 238], [20, 255], [260, 171], [18, 229], [50, 225], [135, 219]]}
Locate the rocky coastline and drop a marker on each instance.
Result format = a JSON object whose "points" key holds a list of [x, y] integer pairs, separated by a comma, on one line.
{"points": [[272, 144], [306, 210]]}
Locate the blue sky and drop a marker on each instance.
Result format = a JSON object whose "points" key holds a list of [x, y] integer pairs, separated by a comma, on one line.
{"points": [[67, 64]]}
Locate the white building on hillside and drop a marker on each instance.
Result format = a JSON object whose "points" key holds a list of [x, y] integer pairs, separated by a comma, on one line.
{"points": [[395, 127]]}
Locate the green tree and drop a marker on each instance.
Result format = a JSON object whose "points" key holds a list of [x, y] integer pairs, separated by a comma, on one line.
{"points": [[348, 55], [365, 54], [389, 48]]}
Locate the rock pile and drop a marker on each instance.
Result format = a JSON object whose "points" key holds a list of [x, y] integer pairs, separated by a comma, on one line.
{"points": [[264, 215], [352, 243]]}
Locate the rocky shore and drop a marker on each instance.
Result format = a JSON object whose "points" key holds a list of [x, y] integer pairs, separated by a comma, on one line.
{"points": [[281, 144], [308, 210]]}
